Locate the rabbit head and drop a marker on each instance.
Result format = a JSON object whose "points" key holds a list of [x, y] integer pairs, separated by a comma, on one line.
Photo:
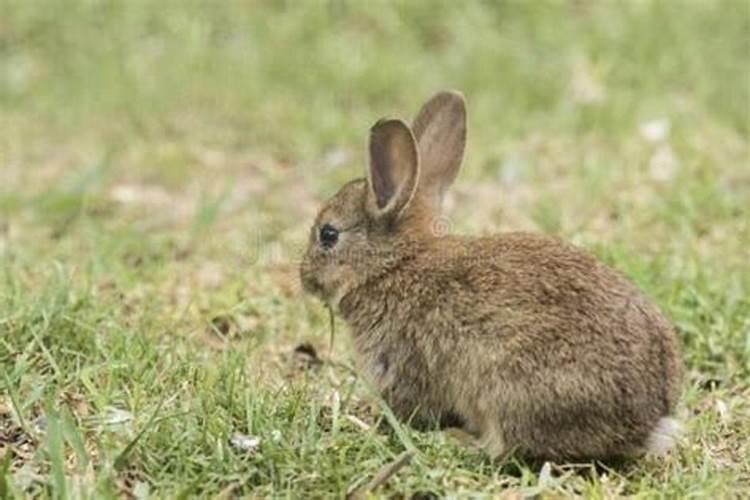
{"points": [[372, 223]]}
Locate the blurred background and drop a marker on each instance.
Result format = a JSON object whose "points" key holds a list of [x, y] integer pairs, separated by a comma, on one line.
{"points": [[174, 97], [161, 162]]}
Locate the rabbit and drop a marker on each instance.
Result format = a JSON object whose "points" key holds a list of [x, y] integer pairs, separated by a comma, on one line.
{"points": [[527, 343]]}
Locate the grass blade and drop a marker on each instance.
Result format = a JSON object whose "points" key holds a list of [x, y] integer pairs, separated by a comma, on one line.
{"points": [[122, 458], [56, 452]]}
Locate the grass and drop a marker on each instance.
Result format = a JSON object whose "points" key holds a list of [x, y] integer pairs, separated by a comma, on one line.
{"points": [[160, 163]]}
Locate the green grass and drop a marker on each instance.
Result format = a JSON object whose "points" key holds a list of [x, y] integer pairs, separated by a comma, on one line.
{"points": [[160, 163]]}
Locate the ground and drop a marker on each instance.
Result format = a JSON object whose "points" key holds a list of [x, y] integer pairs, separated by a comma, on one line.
{"points": [[160, 165]]}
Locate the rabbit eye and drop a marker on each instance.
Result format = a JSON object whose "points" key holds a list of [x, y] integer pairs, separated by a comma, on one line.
{"points": [[329, 235]]}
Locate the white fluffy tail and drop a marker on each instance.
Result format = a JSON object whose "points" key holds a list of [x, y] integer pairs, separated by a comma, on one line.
{"points": [[664, 437]]}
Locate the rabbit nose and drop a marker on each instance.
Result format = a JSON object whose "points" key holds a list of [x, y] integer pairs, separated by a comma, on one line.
{"points": [[310, 283]]}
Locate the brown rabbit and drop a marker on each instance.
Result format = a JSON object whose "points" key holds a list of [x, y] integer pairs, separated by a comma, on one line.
{"points": [[523, 340]]}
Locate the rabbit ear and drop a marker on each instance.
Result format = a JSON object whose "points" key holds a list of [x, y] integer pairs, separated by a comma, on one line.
{"points": [[440, 130], [394, 168]]}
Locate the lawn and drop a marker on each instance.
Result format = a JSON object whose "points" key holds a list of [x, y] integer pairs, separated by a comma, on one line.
{"points": [[160, 165]]}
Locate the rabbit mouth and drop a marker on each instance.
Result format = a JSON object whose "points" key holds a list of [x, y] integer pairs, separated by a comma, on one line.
{"points": [[314, 287], [330, 297]]}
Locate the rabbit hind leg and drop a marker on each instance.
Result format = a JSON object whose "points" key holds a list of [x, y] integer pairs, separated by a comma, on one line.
{"points": [[488, 440]]}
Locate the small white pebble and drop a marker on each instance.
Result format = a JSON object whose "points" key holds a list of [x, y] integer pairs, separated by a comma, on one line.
{"points": [[117, 416], [655, 131], [545, 475], [244, 442]]}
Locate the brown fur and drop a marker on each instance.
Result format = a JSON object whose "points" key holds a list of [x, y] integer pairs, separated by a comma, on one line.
{"points": [[524, 340]]}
